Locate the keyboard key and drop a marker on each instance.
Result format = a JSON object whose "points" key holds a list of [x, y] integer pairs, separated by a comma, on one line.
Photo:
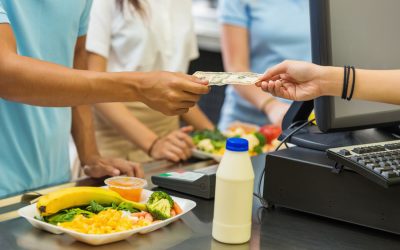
{"points": [[387, 168], [372, 166], [389, 174], [383, 164], [380, 158], [356, 158], [392, 146], [396, 167], [345, 152]]}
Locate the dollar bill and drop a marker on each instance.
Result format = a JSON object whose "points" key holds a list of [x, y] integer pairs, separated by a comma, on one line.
{"points": [[223, 78]]}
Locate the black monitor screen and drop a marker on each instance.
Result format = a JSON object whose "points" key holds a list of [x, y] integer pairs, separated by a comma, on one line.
{"points": [[363, 33]]}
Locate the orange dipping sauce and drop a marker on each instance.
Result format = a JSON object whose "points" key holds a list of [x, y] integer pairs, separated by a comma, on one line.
{"points": [[128, 187]]}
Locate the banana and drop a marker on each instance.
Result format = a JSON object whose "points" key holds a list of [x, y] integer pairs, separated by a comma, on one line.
{"points": [[79, 196]]}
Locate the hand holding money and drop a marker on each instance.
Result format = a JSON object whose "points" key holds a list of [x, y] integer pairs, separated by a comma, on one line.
{"points": [[223, 78]]}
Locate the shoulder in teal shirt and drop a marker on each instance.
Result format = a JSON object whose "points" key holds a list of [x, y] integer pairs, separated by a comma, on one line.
{"points": [[34, 140]]}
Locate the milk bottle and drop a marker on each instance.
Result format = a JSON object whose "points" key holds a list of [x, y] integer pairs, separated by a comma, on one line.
{"points": [[234, 194]]}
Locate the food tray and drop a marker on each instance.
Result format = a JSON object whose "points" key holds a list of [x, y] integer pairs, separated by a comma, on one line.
{"points": [[29, 213]]}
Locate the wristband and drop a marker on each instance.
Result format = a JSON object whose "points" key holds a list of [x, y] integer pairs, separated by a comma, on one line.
{"points": [[353, 84], [345, 81]]}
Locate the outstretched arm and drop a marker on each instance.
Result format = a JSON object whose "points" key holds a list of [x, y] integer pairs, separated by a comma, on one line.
{"points": [[299, 81], [36, 82]]}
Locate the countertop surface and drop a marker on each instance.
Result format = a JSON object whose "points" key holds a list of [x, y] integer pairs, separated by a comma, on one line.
{"points": [[277, 228]]}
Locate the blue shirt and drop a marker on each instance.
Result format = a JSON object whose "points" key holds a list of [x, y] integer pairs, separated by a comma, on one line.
{"points": [[278, 30], [34, 140]]}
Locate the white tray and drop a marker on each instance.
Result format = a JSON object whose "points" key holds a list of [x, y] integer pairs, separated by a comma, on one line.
{"points": [[29, 213], [204, 155]]}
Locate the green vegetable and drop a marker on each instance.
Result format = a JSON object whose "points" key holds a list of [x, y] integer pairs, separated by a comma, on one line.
{"points": [[261, 139], [127, 207], [160, 210], [159, 205], [95, 207], [218, 144], [213, 135], [159, 195], [258, 149], [39, 218], [66, 215]]}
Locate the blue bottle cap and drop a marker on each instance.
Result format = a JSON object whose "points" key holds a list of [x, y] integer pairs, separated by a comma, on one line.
{"points": [[237, 144]]}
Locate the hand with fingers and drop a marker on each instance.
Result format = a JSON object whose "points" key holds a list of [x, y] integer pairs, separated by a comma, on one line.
{"points": [[171, 93], [293, 80], [98, 167], [176, 146]]}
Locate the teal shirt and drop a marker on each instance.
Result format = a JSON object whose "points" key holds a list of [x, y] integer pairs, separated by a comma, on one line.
{"points": [[34, 140], [278, 30]]}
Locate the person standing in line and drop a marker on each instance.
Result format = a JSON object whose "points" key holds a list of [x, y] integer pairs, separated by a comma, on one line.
{"points": [[253, 39], [134, 35], [40, 41]]}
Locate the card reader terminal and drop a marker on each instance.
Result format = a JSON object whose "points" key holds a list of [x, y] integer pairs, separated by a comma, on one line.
{"points": [[199, 182]]}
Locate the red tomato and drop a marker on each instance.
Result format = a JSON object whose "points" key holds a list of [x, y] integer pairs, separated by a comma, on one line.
{"points": [[270, 132]]}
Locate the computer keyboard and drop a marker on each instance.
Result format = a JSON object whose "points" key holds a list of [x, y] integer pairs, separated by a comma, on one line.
{"points": [[379, 162]]}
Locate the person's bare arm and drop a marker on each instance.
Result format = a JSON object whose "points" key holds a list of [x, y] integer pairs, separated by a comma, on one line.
{"points": [[197, 119], [300, 81], [235, 51], [36, 82], [83, 133]]}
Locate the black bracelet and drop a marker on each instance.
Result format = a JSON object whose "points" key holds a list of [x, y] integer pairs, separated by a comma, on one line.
{"points": [[353, 84], [345, 81]]}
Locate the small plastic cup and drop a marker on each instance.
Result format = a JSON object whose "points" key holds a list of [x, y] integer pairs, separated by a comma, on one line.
{"points": [[128, 187]]}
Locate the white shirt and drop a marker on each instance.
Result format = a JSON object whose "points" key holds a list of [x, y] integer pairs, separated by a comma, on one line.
{"points": [[163, 39]]}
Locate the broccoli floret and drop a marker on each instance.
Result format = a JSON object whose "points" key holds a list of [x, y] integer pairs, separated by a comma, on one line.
{"points": [[159, 205], [160, 210], [158, 195]]}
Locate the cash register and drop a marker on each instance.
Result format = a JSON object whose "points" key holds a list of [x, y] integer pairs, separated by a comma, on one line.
{"points": [[347, 167]]}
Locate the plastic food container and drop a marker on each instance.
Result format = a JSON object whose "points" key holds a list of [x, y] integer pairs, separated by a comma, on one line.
{"points": [[128, 187]]}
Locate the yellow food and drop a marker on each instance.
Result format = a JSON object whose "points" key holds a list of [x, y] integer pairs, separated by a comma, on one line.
{"points": [[80, 196], [107, 221]]}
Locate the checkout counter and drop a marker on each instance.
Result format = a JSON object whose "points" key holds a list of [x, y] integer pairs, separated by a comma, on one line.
{"points": [[277, 228]]}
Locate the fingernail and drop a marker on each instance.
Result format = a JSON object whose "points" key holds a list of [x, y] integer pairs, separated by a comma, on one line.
{"points": [[116, 172]]}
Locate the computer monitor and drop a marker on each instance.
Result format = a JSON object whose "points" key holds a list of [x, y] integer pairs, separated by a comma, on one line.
{"points": [[363, 33]]}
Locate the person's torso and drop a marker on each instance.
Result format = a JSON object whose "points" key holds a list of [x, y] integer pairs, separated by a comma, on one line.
{"points": [[162, 39], [278, 30], [159, 39], [34, 140]]}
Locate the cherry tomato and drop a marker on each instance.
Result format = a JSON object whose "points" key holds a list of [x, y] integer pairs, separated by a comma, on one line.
{"points": [[270, 132]]}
